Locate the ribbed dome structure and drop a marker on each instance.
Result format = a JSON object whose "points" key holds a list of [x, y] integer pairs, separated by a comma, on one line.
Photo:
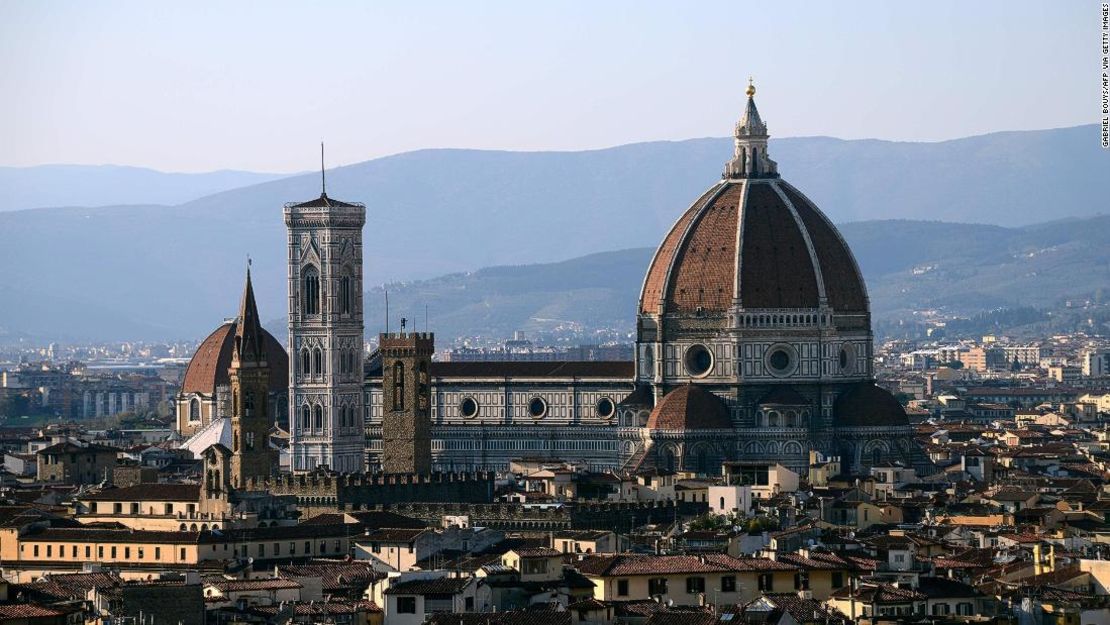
{"points": [[208, 367], [754, 242], [867, 405], [690, 407]]}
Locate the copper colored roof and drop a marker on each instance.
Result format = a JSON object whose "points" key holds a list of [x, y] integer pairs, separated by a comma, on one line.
{"points": [[690, 407], [786, 252], [208, 367], [867, 405]]}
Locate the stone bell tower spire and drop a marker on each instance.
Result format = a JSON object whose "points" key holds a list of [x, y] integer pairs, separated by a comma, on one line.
{"points": [[326, 403], [250, 382], [750, 158]]}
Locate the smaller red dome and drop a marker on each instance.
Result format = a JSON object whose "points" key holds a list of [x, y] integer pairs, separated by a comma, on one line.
{"points": [[867, 405], [690, 407], [208, 368]]}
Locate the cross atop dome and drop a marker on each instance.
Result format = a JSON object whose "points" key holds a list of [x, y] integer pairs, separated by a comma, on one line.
{"points": [[749, 159]]}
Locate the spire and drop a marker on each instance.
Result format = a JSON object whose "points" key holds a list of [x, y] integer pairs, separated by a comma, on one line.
{"points": [[248, 328], [323, 176], [749, 159]]}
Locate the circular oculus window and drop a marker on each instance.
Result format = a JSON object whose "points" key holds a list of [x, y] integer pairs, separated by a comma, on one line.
{"points": [[780, 360], [605, 408], [537, 407], [468, 407], [846, 358], [698, 360]]}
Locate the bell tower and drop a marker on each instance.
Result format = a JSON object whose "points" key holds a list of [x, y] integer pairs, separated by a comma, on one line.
{"points": [[406, 402], [251, 455], [325, 334]]}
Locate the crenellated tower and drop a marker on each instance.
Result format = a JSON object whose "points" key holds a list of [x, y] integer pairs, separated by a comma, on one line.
{"points": [[406, 402]]}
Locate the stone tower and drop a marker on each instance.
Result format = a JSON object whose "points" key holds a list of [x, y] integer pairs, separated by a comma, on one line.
{"points": [[406, 402], [325, 334], [251, 455]]}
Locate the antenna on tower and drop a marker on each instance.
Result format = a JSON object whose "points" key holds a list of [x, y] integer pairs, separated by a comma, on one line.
{"points": [[386, 311], [323, 176]]}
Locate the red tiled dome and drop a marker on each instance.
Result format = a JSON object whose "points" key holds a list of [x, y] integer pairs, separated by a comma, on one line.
{"points": [[756, 241], [867, 405], [690, 407], [208, 367]]}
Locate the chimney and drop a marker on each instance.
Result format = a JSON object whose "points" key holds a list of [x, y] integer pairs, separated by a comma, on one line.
{"points": [[1052, 558], [1038, 568]]}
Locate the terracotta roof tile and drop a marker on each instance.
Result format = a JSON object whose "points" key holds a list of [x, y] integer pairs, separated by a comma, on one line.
{"points": [[208, 367], [690, 407]]}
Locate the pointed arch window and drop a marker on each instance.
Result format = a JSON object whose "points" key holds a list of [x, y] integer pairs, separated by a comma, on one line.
{"points": [[248, 404], [306, 418], [318, 416], [317, 362], [345, 299], [194, 409], [305, 364], [310, 291], [398, 385]]}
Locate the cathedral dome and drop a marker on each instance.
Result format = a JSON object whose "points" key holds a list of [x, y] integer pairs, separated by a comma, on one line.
{"points": [[207, 369], [867, 405], [753, 241], [690, 407]]}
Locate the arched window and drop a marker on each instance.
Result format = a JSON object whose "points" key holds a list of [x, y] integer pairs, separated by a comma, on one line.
{"points": [[398, 385], [235, 442], [306, 418], [317, 362], [318, 414], [345, 295], [310, 291], [194, 409], [248, 404], [306, 368]]}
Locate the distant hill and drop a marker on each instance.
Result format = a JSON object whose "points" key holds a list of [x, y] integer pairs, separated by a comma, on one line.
{"points": [[155, 271], [908, 265], [101, 185]]}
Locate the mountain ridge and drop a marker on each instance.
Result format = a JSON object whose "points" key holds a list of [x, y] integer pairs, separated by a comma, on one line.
{"points": [[436, 212]]}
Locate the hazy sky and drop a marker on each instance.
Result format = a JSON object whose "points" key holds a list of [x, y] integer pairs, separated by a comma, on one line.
{"points": [[197, 86]]}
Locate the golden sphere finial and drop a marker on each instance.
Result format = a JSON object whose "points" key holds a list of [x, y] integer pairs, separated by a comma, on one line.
{"points": [[751, 88]]}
